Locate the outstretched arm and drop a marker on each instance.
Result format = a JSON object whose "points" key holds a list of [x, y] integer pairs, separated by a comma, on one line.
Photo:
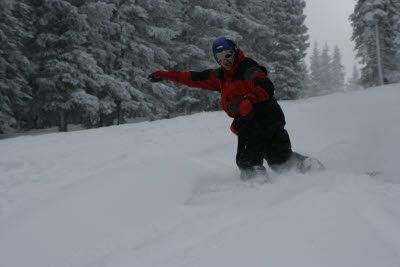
{"points": [[204, 79]]}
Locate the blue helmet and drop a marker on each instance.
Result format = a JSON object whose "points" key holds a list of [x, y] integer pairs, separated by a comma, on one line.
{"points": [[223, 43]]}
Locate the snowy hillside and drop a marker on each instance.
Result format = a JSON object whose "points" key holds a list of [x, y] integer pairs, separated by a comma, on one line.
{"points": [[167, 193]]}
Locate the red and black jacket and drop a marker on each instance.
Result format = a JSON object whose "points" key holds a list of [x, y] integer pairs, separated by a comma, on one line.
{"points": [[246, 80]]}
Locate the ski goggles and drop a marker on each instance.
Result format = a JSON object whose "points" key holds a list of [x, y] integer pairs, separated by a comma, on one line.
{"points": [[226, 54]]}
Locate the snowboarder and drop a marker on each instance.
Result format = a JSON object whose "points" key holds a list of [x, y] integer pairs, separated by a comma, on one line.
{"points": [[247, 95]]}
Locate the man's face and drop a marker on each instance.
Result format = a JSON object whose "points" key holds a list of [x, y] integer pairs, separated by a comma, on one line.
{"points": [[227, 64], [226, 59]]}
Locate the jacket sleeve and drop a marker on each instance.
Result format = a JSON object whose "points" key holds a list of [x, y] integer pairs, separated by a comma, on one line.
{"points": [[204, 79], [260, 86]]}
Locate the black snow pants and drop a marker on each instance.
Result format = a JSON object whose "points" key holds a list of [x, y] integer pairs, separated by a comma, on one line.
{"points": [[264, 137], [252, 151]]}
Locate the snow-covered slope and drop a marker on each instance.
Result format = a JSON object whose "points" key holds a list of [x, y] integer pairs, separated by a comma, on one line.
{"points": [[167, 193]]}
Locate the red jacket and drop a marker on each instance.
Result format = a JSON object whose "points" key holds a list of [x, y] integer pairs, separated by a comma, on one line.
{"points": [[246, 80]]}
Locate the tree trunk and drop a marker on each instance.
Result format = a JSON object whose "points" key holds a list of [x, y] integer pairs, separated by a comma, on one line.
{"points": [[187, 108], [119, 113], [378, 54], [63, 127]]}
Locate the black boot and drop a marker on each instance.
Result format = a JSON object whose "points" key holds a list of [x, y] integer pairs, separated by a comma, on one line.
{"points": [[310, 165], [252, 172], [298, 163]]}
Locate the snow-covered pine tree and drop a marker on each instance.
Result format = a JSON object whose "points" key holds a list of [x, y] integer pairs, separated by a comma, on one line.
{"points": [[256, 29], [109, 42], [307, 85], [354, 81], [327, 73], [159, 29], [15, 68], [326, 70], [290, 40], [315, 68], [337, 71], [375, 29], [395, 19], [64, 67]]}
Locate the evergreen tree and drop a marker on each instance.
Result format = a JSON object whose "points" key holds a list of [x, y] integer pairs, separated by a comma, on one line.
{"points": [[290, 39], [315, 67], [395, 14], [258, 32], [326, 70], [354, 82], [337, 69], [15, 68], [62, 61], [375, 29], [111, 39]]}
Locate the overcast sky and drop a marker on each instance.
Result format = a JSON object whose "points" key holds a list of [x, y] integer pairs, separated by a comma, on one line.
{"points": [[328, 22]]}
